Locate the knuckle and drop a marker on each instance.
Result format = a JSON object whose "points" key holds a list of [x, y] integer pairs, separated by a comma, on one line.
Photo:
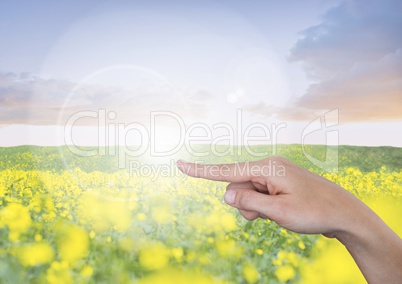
{"points": [[245, 198]]}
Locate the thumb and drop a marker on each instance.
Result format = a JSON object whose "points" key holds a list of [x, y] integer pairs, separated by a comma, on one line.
{"points": [[251, 200]]}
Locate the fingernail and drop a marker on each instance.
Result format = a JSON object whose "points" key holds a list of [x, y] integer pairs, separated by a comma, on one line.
{"points": [[230, 196]]}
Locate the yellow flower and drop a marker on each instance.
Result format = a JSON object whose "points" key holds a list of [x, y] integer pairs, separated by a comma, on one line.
{"points": [[389, 209], [72, 242], [228, 222], [35, 254], [190, 256], [3, 190], [104, 213], [119, 215], [92, 235], [177, 253], [87, 271], [250, 273], [259, 251], [59, 273], [301, 245], [162, 214], [161, 208], [141, 216], [287, 258], [277, 262], [174, 276], [38, 237], [285, 273], [332, 264], [228, 248], [154, 256], [17, 218], [281, 255], [293, 259], [127, 244]]}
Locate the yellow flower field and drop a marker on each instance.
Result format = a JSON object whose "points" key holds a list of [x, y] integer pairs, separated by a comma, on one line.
{"points": [[110, 227]]}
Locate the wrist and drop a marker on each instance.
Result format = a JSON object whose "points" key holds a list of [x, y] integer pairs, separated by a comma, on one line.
{"points": [[362, 227], [376, 249]]}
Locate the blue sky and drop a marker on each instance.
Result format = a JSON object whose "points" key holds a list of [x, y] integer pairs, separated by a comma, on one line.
{"points": [[276, 61]]}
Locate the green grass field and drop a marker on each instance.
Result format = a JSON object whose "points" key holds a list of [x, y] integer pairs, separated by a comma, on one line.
{"points": [[71, 219]]}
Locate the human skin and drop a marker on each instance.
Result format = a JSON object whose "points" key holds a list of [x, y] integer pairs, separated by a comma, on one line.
{"points": [[303, 202]]}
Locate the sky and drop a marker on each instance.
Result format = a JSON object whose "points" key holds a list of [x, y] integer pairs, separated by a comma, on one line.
{"points": [[113, 72]]}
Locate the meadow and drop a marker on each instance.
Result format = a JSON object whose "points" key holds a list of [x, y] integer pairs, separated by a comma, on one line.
{"points": [[71, 219]]}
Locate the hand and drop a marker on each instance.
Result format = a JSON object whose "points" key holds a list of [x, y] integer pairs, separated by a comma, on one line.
{"points": [[304, 202], [289, 195]]}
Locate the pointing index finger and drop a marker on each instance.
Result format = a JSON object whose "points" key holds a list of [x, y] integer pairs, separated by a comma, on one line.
{"points": [[238, 172]]}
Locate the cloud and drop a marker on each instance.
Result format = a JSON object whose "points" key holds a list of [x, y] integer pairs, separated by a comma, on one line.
{"points": [[367, 91], [354, 31], [30, 99], [355, 58]]}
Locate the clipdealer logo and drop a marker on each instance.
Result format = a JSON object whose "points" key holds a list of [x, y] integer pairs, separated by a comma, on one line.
{"points": [[112, 137]]}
